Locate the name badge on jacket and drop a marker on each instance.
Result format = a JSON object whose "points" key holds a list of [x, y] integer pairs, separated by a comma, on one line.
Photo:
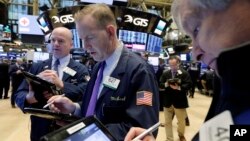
{"points": [[111, 82], [217, 128], [69, 71]]}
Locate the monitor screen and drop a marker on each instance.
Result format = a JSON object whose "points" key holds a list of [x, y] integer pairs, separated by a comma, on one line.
{"points": [[3, 55], [183, 57], [44, 23], [154, 44], [39, 49], [153, 60], [160, 27], [5, 32], [28, 24], [133, 40], [90, 133], [1, 49], [170, 50], [76, 40], [12, 55], [164, 54], [40, 56]]}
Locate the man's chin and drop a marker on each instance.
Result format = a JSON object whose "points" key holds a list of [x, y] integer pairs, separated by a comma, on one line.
{"points": [[58, 56]]}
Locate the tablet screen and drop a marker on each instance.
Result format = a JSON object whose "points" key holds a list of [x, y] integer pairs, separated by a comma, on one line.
{"points": [[90, 133], [85, 129]]}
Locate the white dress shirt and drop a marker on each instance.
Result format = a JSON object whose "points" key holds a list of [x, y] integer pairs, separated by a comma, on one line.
{"points": [[111, 64], [63, 64]]}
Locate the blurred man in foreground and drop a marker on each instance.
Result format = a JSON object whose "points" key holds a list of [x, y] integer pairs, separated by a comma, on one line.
{"points": [[220, 33]]}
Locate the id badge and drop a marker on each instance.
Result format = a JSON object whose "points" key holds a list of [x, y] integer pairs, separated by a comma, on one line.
{"points": [[111, 82]]}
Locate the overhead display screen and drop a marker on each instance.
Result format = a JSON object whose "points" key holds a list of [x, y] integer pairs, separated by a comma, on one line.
{"points": [[133, 40], [139, 30], [28, 24]]}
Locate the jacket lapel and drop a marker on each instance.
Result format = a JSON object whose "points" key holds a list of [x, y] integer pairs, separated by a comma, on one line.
{"points": [[47, 64], [71, 65], [118, 71]]}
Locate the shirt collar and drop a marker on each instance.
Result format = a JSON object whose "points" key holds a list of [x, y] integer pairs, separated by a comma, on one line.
{"points": [[62, 60]]}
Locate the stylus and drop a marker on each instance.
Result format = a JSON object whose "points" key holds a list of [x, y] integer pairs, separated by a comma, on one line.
{"points": [[48, 104], [146, 132]]}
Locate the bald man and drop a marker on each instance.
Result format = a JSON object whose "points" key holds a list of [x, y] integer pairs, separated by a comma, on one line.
{"points": [[67, 74]]}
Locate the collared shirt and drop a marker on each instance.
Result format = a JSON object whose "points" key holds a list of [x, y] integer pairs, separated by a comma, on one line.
{"points": [[63, 63], [111, 64]]}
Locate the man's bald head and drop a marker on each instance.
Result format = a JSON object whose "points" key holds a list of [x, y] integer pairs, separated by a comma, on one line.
{"points": [[61, 40]]}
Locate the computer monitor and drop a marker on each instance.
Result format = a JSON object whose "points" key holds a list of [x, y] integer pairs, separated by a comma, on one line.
{"points": [[5, 32], [39, 49], [76, 39], [154, 44], [153, 60], [3, 55], [133, 40], [183, 57], [160, 27], [1, 49], [40, 56]]}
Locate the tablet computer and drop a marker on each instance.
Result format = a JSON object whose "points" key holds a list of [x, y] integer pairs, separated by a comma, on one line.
{"points": [[86, 129], [44, 113], [39, 86]]}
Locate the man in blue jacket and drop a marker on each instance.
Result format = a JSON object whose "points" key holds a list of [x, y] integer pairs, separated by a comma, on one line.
{"points": [[69, 77], [128, 93]]}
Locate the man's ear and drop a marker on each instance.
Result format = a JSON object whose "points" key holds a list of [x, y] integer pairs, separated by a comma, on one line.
{"points": [[111, 30]]}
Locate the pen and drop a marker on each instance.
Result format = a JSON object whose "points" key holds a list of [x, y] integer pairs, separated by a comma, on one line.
{"points": [[148, 131], [48, 104]]}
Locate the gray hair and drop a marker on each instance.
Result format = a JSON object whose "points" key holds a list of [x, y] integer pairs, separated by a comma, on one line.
{"points": [[204, 4]]}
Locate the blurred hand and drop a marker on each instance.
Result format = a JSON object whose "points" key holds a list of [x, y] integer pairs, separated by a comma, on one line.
{"points": [[62, 122], [61, 104], [30, 97], [47, 95], [18, 71], [51, 76], [135, 131], [166, 84], [175, 86]]}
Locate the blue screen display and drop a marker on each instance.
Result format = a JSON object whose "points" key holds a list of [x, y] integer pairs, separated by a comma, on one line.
{"points": [[133, 40], [154, 44]]}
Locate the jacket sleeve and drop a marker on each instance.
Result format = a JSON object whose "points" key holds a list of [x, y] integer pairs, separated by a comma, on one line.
{"points": [[22, 91], [163, 80], [12, 71], [186, 81], [75, 91], [141, 115]]}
